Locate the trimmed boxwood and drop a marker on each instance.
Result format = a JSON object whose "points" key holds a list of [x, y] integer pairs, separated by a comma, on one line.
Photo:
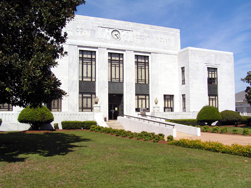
{"points": [[77, 124], [230, 117], [185, 121], [35, 116], [209, 114], [245, 120]]}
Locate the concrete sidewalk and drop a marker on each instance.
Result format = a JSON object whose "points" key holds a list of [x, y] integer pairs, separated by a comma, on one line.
{"points": [[215, 137]]}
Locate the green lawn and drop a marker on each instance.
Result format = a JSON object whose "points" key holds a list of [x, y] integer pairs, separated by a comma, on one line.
{"points": [[87, 159], [230, 129]]}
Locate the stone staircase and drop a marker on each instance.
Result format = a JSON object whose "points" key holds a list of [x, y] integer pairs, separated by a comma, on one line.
{"points": [[114, 124]]}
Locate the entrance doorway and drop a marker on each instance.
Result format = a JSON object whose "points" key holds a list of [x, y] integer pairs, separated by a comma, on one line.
{"points": [[115, 106]]}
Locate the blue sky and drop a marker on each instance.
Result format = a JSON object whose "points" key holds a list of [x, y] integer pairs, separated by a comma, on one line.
{"points": [[211, 24]]}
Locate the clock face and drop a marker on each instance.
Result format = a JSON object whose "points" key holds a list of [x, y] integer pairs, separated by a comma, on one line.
{"points": [[116, 34]]}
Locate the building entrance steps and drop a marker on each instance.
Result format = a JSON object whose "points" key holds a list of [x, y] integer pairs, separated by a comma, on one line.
{"points": [[226, 139], [114, 124]]}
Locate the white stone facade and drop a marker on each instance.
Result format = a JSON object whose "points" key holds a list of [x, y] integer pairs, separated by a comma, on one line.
{"points": [[162, 47]]}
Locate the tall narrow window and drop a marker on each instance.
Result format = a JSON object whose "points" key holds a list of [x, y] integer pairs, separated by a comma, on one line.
{"points": [[168, 103], [56, 105], [183, 75], [141, 69], [213, 101], [183, 102], [6, 107], [115, 67], [87, 64], [212, 76], [141, 101], [86, 102]]}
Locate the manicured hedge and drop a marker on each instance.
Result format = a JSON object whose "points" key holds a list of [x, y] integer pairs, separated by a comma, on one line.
{"points": [[209, 114], [35, 116], [245, 120], [0, 121], [185, 121], [230, 117], [234, 149], [77, 124]]}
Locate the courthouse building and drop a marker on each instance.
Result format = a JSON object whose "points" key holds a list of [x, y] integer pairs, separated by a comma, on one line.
{"points": [[128, 65]]}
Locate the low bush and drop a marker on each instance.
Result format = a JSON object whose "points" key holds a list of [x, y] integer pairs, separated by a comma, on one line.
{"points": [[124, 133], [107, 130], [209, 114], [246, 131], [205, 128], [230, 117], [102, 130], [223, 130], [156, 138], [234, 149], [98, 128], [245, 120], [235, 131], [55, 125], [162, 136], [78, 124], [192, 122], [215, 129], [0, 121], [72, 124], [118, 132], [112, 131], [93, 127], [36, 117], [170, 138]]}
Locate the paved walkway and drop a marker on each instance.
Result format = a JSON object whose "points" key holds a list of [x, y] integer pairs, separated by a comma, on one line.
{"points": [[215, 137]]}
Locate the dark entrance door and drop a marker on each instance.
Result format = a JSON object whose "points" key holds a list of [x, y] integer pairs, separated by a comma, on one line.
{"points": [[115, 105]]}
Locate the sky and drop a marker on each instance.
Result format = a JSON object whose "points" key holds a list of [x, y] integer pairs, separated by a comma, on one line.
{"points": [[223, 25]]}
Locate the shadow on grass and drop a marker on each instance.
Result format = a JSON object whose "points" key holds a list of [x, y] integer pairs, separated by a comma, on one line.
{"points": [[47, 144]]}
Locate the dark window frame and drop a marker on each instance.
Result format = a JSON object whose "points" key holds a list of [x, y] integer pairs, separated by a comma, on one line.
{"points": [[183, 75], [114, 62], [143, 67], [183, 102], [6, 107], [87, 62], [213, 99], [88, 107], [56, 105], [212, 76], [168, 103], [144, 100]]}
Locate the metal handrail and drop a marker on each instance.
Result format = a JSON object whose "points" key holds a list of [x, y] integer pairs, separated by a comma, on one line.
{"points": [[164, 123]]}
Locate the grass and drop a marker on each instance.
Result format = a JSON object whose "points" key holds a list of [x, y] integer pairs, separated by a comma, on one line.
{"points": [[230, 129], [87, 159]]}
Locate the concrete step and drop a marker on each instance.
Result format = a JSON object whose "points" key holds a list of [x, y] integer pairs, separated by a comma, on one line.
{"points": [[114, 124]]}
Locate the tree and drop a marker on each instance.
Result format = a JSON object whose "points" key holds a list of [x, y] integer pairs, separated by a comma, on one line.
{"points": [[247, 79], [31, 39]]}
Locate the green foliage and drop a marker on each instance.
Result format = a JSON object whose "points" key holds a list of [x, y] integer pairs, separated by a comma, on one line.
{"points": [[78, 124], [230, 117], [170, 138], [223, 130], [118, 132], [124, 133], [247, 79], [93, 127], [98, 128], [35, 116], [55, 125], [185, 121], [205, 128], [246, 131], [156, 138], [162, 136], [208, 114], [245, 120], [32, 39], [235, 131], [215, 129], [112, 131], [234, 149], [0, 121]]}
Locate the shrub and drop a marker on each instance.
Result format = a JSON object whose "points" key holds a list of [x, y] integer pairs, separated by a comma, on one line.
{"points": [[216, 129], [192, 122], [124, 133], [235, 131], [245, 120], [0, 121], [72, 124], [162, 136], [234, 149], [246, 131], [88, 124], [112, 131], [170, 138], [107, 130], [118, 132], [230, 117], [98, 128], [209, 114], [156, 138], [205, 128], [139, 136], [55, 125], [93, 127], [35, 116], [223, 130], [102, 130]]}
